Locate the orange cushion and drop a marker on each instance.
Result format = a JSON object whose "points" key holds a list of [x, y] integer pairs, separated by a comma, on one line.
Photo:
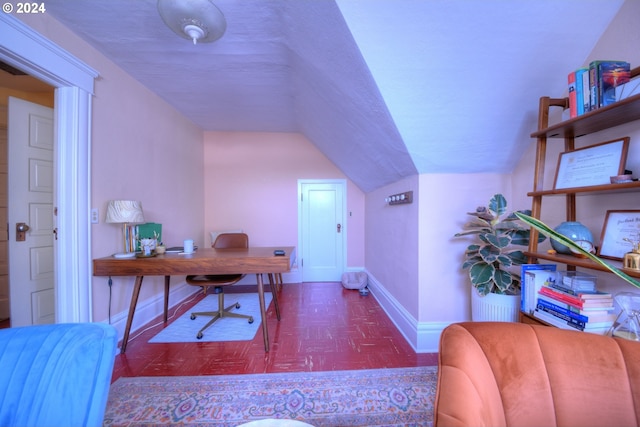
{"points": [[507, 374]]}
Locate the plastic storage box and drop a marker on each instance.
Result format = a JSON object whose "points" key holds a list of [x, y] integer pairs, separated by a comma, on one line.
{"points": [[576, 281]]}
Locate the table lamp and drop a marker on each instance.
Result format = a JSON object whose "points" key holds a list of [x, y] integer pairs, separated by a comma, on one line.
{"points": [[125, 212]]}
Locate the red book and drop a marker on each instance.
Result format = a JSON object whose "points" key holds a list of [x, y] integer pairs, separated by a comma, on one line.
{"points": [[573, 95], [575, 300]]}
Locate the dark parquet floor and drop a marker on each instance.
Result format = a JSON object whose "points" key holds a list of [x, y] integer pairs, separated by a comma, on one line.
{"points": [[323, 327]]}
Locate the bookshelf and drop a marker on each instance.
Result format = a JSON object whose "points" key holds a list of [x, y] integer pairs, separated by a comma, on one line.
{"points": [[622, 112]]}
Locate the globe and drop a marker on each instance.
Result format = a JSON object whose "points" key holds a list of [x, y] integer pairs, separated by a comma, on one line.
{"points": [[573, 230]]}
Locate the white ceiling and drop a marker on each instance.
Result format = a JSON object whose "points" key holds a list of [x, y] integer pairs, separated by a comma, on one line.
{"points": [[384, 88]]}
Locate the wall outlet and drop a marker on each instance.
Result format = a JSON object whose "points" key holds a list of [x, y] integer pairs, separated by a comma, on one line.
{"points": [[95, 218]]}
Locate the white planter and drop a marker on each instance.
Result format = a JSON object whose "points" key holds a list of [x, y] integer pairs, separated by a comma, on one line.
{"points": [[494, 307]]}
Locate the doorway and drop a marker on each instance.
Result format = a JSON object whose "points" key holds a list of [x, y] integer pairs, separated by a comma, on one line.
{"points": [[31, 213], [4, 234], [13, 82], [322, 234], [29, 51]]}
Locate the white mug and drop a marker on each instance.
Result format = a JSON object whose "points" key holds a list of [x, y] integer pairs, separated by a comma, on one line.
{"points": [[188, 246]]}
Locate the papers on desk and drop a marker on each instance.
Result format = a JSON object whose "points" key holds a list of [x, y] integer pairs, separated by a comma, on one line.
{"points": [[178, 249]]}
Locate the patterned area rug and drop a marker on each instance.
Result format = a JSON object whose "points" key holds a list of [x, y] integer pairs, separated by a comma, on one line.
{"points": [[185, 329], [375, 397]]}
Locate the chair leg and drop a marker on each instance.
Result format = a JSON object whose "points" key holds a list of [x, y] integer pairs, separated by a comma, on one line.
{"points": [[222, 312], [215, 317]]}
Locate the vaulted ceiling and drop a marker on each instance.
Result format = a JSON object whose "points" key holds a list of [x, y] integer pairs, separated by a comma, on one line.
{"points": [[384, 88]]}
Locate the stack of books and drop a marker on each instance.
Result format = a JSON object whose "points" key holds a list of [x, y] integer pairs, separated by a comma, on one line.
{"points": [[568, 306], [534, 276], [595, 86]]}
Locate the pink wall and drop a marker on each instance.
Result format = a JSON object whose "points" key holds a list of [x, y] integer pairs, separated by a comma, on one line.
{"points": [[142, 149], [392, 252], [445, 289], [251, 183]]}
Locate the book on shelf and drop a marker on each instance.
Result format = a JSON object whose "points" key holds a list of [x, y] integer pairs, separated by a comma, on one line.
{"points": [[595, 300], [572, 285], [576, 320], [573, 95], [612, 75], [593, 318], [582, 89], [595, 314], [584, 295], [604, 77], [533, 277], [593, 85], [559, 323]]}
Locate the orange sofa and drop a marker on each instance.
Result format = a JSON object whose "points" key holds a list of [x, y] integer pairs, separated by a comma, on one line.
{"points": [[515, 374]]}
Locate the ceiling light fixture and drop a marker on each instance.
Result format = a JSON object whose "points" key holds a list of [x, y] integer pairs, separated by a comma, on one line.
{"points": [[197, 20]]}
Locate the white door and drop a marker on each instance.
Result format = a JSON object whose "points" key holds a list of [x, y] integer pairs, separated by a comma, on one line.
{"points": [[323, 231], [31, 257]]}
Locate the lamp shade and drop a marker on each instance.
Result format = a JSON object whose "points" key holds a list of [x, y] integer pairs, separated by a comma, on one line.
{"points": [[124, 211]]}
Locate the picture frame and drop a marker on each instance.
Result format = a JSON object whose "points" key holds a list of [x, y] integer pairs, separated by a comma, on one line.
{"points": [[592, 165], [619, 225]]}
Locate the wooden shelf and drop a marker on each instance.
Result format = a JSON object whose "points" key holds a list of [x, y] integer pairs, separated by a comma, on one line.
{"points": [[580, 262], [625, 111], [619, 113], [605, 188], [527, 318]]}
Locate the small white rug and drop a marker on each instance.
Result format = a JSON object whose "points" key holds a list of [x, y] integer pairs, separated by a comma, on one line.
{"points": [[183, 329]]}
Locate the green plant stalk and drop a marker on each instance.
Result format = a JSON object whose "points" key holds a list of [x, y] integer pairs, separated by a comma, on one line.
{"points": [[552, 234]]}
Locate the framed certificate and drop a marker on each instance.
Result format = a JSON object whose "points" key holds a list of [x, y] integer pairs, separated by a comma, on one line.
{"points": [[618, 226], [593, 165]]}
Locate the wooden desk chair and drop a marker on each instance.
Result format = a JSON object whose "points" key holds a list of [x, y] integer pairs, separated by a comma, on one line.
{"points": [[218, 282]]}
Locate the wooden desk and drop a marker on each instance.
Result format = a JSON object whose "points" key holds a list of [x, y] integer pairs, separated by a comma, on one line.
{"points": [[257, 260]]}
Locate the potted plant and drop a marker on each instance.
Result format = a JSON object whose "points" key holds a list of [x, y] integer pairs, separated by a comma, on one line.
{"points": [[492, 259]]}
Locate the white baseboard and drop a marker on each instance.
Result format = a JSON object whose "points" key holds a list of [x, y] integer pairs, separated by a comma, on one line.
{"points": [[424, 337]]}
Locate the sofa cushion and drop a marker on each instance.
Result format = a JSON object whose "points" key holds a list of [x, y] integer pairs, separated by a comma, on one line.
{"points": [[507, 374], [56, 375]]}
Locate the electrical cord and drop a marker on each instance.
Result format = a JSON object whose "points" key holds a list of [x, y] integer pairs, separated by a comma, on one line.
{"points": [[110, 289]]}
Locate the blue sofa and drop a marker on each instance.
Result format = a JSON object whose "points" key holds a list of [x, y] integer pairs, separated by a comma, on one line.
{"points": [[56, 375]]}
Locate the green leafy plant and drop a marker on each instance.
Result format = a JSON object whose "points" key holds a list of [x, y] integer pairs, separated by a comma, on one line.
{"points": [[545, 230], [490, 261]]}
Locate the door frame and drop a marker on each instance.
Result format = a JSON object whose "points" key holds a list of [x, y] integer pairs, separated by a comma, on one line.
{"points": [[29, 51], [343, 183]]}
